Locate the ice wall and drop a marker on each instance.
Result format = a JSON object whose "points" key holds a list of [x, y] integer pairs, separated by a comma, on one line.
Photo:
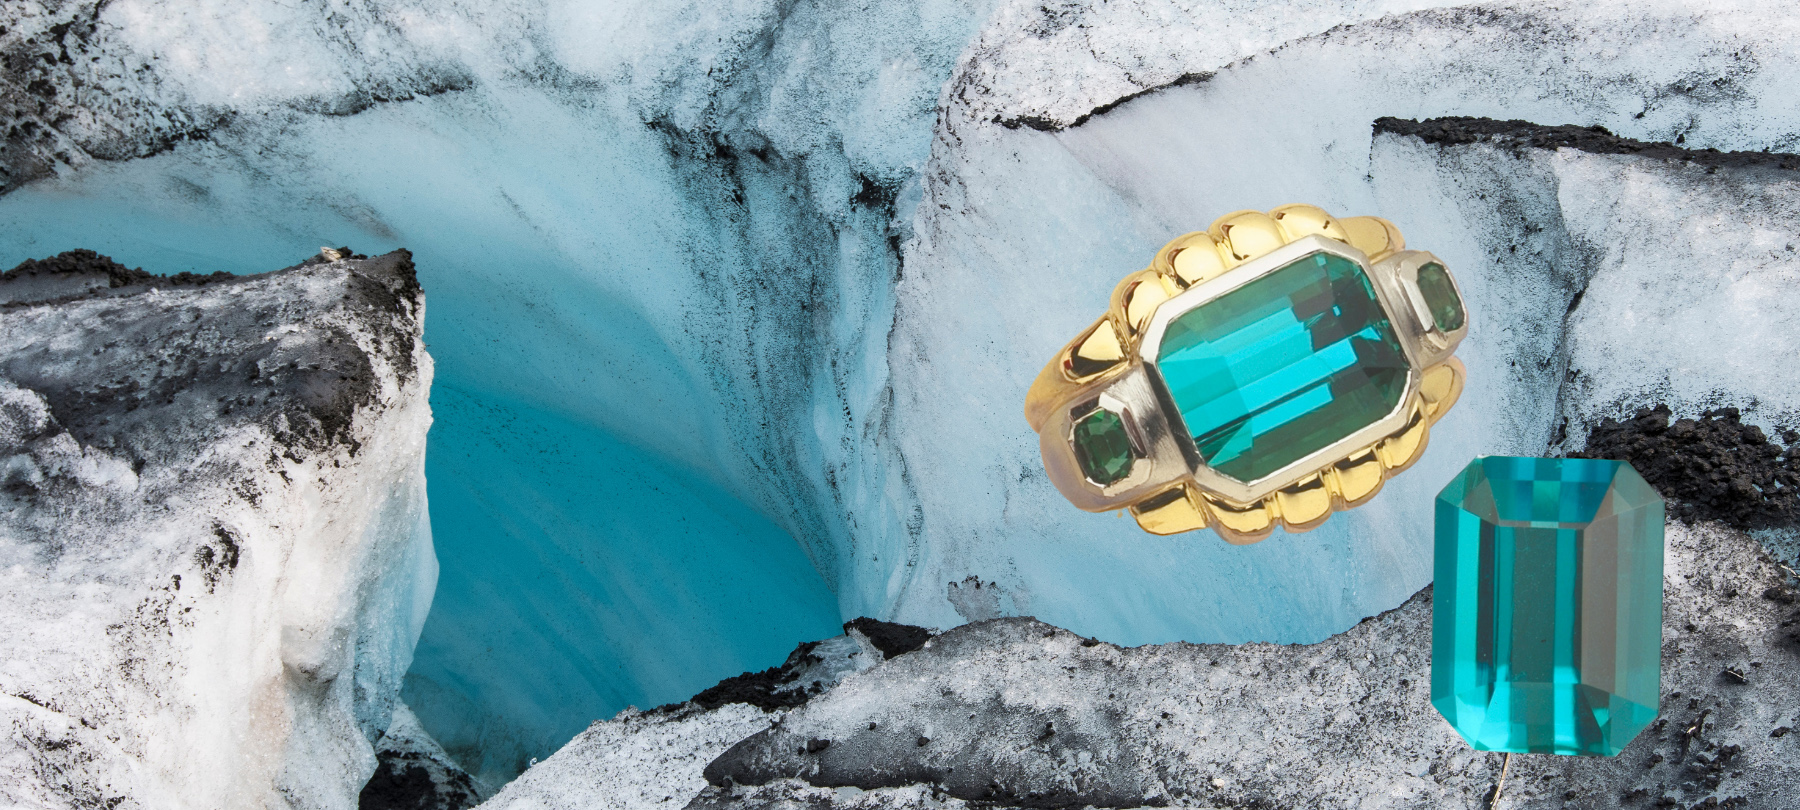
{"points": [[215, 557]]}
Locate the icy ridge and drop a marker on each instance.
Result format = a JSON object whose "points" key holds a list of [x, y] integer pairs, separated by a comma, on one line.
{"points": [[1020, 713], [654, 759], [215, 556]]}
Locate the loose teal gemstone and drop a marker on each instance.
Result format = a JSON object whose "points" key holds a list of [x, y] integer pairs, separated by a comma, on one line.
{"points": [[1283, 366], [1546, 631], [1440, 297], [1102, 447]]}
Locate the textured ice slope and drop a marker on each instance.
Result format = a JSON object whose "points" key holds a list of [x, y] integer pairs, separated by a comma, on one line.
{"points": [[215, 557], [654, 760]]}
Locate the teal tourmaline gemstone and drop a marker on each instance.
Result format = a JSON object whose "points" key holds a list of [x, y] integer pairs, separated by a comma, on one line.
{"points": [[1283, 366], [1102, 447], [1546, 630]]}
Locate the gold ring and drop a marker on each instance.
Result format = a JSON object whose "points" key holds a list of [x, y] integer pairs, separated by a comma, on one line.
{"points": [[1268, 371]]}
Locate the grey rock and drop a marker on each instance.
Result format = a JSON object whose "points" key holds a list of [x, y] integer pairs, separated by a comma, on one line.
{"points": [[1020, 713], [209, 360], [413, 772]]}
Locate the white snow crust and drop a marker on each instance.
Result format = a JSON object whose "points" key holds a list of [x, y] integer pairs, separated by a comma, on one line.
{"points": [[226, 623], [635, 761]]}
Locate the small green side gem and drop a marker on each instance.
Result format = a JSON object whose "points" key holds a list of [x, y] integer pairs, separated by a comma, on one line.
{"points": [[1440, 297], [1102, 447]]}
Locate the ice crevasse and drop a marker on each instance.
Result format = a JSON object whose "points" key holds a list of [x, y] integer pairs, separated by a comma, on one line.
{"points": [[734, 307]]}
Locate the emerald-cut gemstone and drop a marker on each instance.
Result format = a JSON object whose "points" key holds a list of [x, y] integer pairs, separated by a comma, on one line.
{"points": [[1440, 297], [1102, 447], [1546, 630], [1283, 366]]}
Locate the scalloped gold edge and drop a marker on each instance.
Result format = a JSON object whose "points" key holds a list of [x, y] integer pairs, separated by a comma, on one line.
{"points": [[1307, 504]]}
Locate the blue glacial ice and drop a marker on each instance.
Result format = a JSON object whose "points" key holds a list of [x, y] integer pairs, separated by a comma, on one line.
{"points": [[543, 328], [734, 306], [657, 242]]}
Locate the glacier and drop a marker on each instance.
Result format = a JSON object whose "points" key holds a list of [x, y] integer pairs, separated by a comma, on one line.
{"points": [[766, 281]]}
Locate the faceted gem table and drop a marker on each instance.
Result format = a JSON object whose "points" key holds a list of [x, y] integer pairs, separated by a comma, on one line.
{"points": [[1547, 606], [1283, 366]]}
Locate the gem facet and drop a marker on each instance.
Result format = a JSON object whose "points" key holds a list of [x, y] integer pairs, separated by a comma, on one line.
{"points": [[1283, 366], [1546, 632], [1440, 297], [1102, 447]]}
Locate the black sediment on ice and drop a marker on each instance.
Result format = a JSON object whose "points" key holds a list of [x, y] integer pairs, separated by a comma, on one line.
{"points": [[892, 639], [778, 687], [1459, 130], [80, 272], [1711, 468], [409, 780]]}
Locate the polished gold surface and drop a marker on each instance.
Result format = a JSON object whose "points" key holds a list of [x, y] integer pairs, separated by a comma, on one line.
{"points": [[1304, 505], [1172, 511], [1358, 478], [1107, 352], [1241, 524], [1399, 451], [1095, 352], [1195, 261], [1440, 386], [1246, 235]]}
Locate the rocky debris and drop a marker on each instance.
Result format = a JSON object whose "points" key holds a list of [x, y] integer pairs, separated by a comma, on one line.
{"points": [[81, 272], [1521, 135], [1711, 468], [654, 759], [891, 638], [1019, 713], [771, 689], [814, 666], [214, 552], [412, 772]]}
